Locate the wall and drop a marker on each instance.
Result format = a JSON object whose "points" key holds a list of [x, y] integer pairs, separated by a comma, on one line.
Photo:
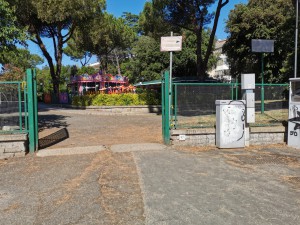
{"points": [[12, 145], [206, 137]]}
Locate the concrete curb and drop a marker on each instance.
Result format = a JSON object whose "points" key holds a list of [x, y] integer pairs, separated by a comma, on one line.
{"points": [[137, 147], [70, 151]]}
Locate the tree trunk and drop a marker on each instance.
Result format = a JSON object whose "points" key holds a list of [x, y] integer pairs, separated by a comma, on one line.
{"points": [[221, 4], [58, 57]]}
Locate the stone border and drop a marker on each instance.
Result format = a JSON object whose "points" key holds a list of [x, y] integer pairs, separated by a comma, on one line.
{"points": [[206, 136], [117, 109], [12, 145]]}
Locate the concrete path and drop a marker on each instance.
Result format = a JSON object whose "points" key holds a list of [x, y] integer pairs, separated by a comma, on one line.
{"points": [[205, 188]]}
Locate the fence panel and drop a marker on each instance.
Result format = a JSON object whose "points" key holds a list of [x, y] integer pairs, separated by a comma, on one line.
{"points": [[12, 107], [275, 105], [194, 103]]}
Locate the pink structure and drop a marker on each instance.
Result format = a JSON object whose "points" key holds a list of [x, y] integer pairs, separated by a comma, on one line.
{"points": [[95, 83]]}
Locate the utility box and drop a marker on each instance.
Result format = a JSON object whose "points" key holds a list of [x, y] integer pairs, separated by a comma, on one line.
{"points": [[248, 81], [294, 113], [230, 125]]}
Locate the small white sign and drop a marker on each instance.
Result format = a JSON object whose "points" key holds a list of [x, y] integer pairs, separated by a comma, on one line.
{"points": [[182, 137], [171, 44]]}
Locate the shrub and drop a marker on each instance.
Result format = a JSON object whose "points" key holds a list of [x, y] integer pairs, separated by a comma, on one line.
{"points": [[126, 99]]}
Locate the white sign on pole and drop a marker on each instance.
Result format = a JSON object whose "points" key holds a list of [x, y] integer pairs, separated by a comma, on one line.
{"points": [[171, 44]]}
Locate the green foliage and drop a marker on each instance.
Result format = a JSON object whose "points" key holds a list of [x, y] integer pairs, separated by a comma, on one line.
{"points": [[22, 59], [10, 33], [269, 19], [132, 21], [74, 51], [127, 99], [44, 79], [152, 23], [56, 20], [44, 83], [102, 35], [86, 69], [194, 16], [148, 62]]}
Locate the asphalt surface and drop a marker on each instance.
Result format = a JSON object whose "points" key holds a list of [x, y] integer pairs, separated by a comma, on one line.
{"points": [[145, 182], [204, 188]]}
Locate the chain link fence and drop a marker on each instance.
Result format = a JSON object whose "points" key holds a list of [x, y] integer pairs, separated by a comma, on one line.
{"points": [[11, 107], [194, 103]]}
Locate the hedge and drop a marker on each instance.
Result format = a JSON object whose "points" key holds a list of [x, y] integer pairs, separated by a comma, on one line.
{"points": [[145, 98]]}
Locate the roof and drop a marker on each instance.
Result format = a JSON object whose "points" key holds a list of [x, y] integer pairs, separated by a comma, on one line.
{"points": [[152, 82]]}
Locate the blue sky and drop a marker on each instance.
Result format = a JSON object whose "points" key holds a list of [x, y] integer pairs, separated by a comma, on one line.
{"points": [[117, 7]]}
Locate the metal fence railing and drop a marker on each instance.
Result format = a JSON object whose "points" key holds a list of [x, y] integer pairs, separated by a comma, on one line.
{"points": [[13, 112], [194, 103]]}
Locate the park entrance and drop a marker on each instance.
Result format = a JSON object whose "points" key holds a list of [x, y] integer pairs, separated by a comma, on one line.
{"points": [[191, 105]]}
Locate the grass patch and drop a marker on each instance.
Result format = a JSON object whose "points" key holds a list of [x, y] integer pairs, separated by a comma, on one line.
{"points": [[269, 118]]}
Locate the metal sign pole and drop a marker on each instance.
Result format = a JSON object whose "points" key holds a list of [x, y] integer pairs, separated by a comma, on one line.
{"points": [[170, 81], [296, 40], [262, 85]]}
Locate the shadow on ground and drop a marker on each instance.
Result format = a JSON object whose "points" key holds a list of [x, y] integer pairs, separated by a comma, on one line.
{"points": [[52, 121], [53, 138]]}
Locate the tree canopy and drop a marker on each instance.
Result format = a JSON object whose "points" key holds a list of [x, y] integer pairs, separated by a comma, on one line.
{"points": [[10, 33], [56, 20], [268, 19], [194, 15]]}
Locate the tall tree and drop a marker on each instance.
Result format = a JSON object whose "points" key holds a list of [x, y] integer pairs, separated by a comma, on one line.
{"points": [[132, 21], [268, 19], [56, 20], [22, 59], [193, 15], [76, 53], [152, 23], [104, 34]]}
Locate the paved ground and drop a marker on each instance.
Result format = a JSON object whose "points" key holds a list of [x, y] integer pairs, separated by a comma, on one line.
{"points": [[89, 128], [149, 183], [219, 187]]}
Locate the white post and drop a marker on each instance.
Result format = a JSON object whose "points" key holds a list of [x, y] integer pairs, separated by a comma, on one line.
{"points": [[296, 39]]}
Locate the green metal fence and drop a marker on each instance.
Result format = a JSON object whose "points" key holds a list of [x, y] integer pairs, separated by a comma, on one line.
{"points": [[194, 103], [18, 108], [13, 113]]}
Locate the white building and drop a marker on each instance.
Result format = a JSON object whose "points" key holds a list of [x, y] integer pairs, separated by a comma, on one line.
{"points": [[221, 71]]}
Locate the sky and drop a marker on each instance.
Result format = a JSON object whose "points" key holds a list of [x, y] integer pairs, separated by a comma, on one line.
{"points": [[117, 7]]}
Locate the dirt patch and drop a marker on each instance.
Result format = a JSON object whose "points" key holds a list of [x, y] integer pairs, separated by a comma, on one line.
{"points": [[92, 130], [293, 180], [265, 159], [121, 195]]}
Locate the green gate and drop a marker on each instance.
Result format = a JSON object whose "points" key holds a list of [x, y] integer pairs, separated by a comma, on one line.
{"points": [[18, 108]]}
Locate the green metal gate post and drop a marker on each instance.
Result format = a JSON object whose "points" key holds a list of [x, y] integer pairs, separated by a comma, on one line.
{"points": [[166, 107], [32, 110], [36, 133], [262, 85], [163, 105]]}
